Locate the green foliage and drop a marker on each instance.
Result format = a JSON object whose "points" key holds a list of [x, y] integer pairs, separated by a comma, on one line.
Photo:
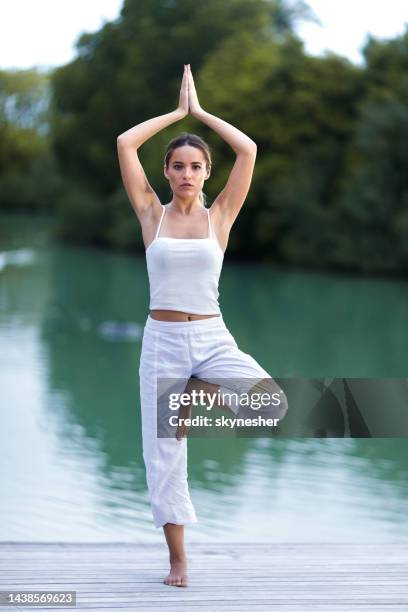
{"points": [[123, 230], [28, 173], [375, 202], [82, 216], [301, 122]]}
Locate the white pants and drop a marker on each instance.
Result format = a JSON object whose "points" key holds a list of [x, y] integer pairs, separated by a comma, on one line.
{"points": [[203, 348]]}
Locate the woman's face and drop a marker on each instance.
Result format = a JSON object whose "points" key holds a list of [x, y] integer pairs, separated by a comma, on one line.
{"points": [[186, 165]]}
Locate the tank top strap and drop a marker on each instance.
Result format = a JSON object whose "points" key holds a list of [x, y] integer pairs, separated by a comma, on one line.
{"points": [[209, 224], [161, 219]]}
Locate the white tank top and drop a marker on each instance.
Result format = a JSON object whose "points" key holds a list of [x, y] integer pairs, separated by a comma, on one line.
{"points": [[184, 272]]}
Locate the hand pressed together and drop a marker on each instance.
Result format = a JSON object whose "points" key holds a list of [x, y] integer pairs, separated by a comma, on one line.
{"points": [[188, 100]]}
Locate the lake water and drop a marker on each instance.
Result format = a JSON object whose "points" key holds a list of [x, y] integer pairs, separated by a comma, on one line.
{"points": [[71, 466]]}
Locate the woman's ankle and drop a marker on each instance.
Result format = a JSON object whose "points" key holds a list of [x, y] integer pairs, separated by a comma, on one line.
{"points": [[178, 557]]}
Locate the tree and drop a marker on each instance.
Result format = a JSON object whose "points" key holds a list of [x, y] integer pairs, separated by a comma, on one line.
{"points": [[27, 169]]}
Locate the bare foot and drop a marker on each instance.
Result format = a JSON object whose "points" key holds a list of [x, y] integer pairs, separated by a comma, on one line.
{"points": [[178, 574]]}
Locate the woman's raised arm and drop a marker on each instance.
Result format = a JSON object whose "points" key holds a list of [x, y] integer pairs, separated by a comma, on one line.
{"points": [[138, 189], [232, 197]]}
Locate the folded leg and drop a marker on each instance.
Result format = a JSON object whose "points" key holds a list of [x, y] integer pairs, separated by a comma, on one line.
{"points": [[220, 361]]}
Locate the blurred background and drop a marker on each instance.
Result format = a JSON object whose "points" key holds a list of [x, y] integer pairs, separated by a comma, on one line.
{"points": [[314, 282]]}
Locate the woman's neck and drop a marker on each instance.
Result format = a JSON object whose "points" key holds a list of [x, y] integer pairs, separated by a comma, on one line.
{"points": [[185, 208]]}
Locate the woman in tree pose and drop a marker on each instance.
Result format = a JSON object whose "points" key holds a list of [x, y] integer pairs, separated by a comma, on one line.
{"points": [[185, 336]]}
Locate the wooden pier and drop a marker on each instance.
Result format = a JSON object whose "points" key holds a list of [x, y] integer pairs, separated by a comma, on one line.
{"points": [[222, 576]]}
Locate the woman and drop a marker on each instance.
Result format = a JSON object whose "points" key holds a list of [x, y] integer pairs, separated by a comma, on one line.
{"points": [[185, 336]]}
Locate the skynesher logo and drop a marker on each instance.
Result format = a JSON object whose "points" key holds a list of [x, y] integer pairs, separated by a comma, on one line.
{"points": [[204, 421]]}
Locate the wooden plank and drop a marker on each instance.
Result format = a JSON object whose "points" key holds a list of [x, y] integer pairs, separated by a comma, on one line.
{"points": [[297, 577]]}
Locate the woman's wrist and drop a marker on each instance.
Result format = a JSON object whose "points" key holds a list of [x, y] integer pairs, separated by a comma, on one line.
{"points": [[181, 113], [198, 114]]}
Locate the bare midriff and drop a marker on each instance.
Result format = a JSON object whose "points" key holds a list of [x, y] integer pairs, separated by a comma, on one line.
{"points": [[177, 315]]}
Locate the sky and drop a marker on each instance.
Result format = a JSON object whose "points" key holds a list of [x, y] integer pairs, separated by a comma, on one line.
{"points": [[42, 33]]}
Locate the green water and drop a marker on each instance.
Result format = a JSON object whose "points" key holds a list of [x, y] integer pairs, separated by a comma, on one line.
{"points": [[70, 434]]}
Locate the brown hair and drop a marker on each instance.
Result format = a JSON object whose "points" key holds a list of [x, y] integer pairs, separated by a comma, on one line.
{"points": [[193, 141]]}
